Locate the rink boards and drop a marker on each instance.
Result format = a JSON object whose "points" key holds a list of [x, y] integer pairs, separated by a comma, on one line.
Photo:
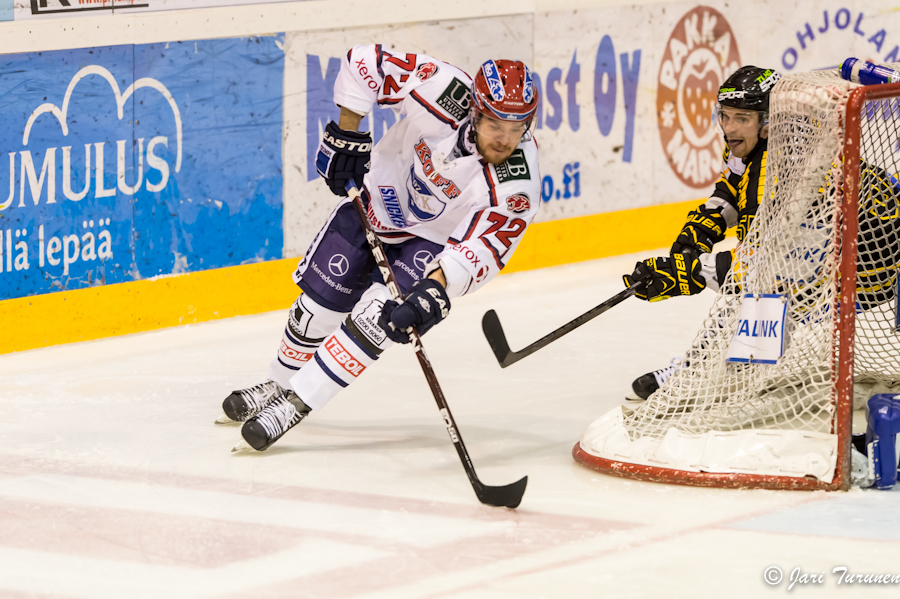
{"points": [[154, 179]]}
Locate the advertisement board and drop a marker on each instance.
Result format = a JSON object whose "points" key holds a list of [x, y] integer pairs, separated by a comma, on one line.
{"points": [[125, 162], [128, 162], [22, 10]]}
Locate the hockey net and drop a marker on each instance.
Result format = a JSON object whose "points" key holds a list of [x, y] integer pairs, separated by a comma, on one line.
{"points": [[825, 238]]}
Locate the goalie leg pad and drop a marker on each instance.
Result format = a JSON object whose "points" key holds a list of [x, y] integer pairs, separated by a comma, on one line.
{"points": [[308, 325]]}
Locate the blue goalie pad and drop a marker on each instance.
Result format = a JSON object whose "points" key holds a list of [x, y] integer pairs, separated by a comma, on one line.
{"points": [[881, 438]]}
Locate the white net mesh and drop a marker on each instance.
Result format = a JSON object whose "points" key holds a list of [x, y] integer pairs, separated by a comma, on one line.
{"points": [[792, 248]]}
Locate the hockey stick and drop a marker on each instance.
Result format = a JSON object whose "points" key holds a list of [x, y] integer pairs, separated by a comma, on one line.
{"points": [[493, 330], [506, 496]]}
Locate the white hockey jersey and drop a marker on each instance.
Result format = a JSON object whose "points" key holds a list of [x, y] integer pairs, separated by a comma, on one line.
{"points": [[425, 179]]}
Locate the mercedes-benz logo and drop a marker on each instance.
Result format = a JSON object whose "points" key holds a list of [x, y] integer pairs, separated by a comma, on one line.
{"points": [[338, 265], [422, 259]]}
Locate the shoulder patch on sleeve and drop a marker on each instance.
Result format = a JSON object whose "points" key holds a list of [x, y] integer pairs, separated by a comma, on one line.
{"points": [[456, 99], [516, 167]]}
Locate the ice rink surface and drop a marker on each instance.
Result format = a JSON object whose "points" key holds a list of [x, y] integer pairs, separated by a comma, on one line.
{"points": [[115, 483]]}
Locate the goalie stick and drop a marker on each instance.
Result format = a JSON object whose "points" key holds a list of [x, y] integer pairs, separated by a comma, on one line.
{"points": [[507, 496], [493, 330]]}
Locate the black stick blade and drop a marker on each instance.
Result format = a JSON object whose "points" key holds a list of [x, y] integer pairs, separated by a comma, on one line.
{"points": [[508, 496], [493, 332]]}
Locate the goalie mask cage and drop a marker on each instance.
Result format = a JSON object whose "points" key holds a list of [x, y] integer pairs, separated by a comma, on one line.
{"points": [[825, 237]]}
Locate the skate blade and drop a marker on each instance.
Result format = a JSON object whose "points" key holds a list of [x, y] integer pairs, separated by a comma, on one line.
{"points": [[634, 397], [223, 419], [242, 446]]}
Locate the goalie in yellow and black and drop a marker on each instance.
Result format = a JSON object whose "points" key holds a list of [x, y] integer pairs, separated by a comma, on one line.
{"points": [[742, 115]]}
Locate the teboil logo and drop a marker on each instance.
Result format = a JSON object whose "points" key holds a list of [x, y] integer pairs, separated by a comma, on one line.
{"points": [[295, 355], [700, 54], [343, 357]]}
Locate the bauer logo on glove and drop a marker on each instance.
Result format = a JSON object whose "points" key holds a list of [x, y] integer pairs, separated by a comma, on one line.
{"points": [[665, 277], [704, 228]]}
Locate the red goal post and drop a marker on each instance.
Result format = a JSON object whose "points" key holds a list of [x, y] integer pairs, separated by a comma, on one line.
{"points": [[620, 458]]}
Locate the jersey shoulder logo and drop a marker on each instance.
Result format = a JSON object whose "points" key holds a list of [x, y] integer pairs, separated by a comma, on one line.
{"points": [[519, 203], [516, 167], [426, 70], [455, 99]]}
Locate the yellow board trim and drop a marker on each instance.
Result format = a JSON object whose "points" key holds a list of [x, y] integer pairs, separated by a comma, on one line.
{"points": [[109, 310], [83, 314]]}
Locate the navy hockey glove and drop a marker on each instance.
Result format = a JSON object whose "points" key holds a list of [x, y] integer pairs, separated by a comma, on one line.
{"points": [[665, 277], [425, 306], [343, 155], [704, 228]]}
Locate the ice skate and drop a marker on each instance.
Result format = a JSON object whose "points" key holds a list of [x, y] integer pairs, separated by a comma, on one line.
{"points": [[646, 385], [269, 425], [247, 403]]}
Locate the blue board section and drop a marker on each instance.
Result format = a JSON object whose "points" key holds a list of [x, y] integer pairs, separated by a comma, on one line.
{"points": [[129, 162]]}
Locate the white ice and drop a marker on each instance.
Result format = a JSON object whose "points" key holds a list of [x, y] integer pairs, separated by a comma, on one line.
{"points": [[115, 483]]}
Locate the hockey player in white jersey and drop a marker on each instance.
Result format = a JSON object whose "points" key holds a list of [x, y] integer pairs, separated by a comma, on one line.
{"points": [[450, 190]]}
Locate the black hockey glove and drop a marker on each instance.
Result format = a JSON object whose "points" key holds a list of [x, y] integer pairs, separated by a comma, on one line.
{"points": [[343, 155], [665, 277], [703, 229], [425, 306]]}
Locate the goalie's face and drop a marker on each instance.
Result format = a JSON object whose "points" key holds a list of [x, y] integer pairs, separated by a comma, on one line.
{"points": [[742, 129]]}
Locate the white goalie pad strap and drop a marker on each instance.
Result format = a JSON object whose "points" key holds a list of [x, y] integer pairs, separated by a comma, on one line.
{"points": [[751, 451]]}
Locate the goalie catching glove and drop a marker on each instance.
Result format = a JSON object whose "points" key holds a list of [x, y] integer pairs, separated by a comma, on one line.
{"points": [[343, 155], [425, 306], [665, 277]]}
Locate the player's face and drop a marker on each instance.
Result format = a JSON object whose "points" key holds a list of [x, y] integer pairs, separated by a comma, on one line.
{"points": [[495, 139], [742, 129]]}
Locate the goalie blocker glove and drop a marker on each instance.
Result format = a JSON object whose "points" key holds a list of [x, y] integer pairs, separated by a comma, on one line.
{"points": [[425, 306], [665, 277], [704, 228], [343, 155]]}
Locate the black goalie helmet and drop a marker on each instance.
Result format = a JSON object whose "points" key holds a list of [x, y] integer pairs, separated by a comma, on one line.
{"points": [[748, 88]]}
